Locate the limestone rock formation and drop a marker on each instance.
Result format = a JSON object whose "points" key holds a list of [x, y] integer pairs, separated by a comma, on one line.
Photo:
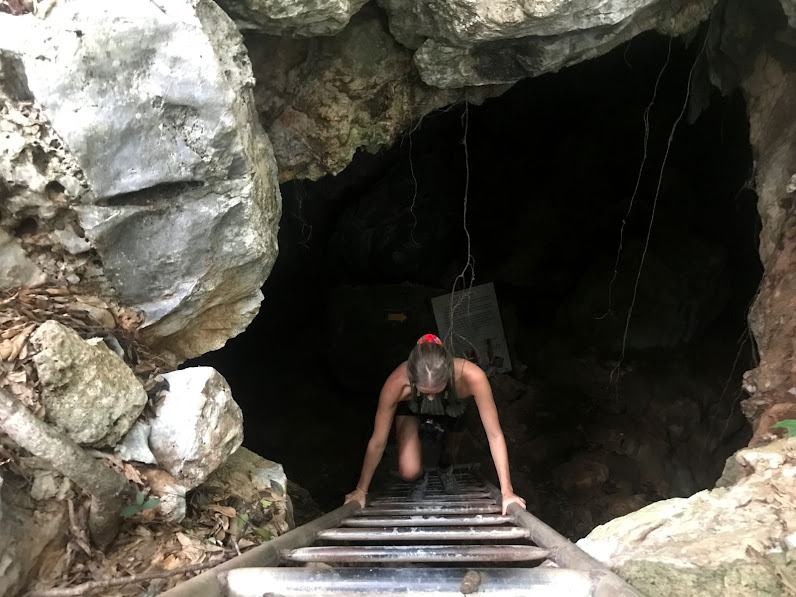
{"points": [[196, 426], [754, 50], [323, 99], [32, 536], [16, 268], [665, 548], [87, 389], [300, 18], [486, 42], [248, 477], [134, 124]]}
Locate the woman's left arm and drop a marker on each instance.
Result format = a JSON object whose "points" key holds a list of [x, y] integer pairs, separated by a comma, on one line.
{"points": [[482, 393]]}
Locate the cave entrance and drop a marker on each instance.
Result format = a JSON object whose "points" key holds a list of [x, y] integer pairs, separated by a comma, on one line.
{"points": [[601, 416]]}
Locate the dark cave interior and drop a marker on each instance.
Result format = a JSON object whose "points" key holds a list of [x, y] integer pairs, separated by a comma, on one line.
{"points": [[598, 422]]}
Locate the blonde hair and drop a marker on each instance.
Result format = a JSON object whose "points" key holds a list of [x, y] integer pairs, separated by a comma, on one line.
{"points": [[429, 365]]}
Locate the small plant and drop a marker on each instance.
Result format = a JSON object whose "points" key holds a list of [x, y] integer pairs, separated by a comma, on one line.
{"points": [[789, 425], [140, 505]]}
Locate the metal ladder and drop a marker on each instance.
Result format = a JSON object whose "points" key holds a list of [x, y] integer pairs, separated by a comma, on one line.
{"points": [[388, 548]]}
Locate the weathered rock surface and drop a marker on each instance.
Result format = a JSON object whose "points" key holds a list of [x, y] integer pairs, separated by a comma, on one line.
{"points": [[754, 50], [88, 390], [134, 446], [16, 268], [462, 43], [167, 167], [300, 18], [32, 536], [699, 545], [197, 425], [251, 478], [322, 99]]}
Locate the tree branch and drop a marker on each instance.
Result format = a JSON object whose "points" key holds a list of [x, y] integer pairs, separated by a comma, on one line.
{"points": [[118, 582], [107, 487]]}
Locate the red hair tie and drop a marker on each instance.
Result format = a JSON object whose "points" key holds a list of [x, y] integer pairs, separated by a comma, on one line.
{"points": [[429, 338]]}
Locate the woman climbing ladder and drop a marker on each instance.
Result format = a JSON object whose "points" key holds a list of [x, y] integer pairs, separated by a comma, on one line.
{"points": [[433, 386]]}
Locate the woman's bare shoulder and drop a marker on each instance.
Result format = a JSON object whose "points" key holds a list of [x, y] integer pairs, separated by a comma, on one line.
{"points": [[397, 382], [467, 371]]}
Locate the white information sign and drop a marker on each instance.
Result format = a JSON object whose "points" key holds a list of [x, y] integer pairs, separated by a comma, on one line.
{"points": [[477, 331]]}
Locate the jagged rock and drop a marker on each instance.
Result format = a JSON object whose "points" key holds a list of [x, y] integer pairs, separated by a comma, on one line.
{"points": [[196, 426], [744, 55], [134, 446], [88, 391], [301, 18], [324, 98], [32, 536], [665, 548], [175, 181], [248, 478], [485, 42], [16, 268]]}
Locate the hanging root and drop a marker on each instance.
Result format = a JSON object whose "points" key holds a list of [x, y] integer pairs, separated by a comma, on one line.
{"points": [[414, 196], [676, 123], [646, 119], [470, 264]]}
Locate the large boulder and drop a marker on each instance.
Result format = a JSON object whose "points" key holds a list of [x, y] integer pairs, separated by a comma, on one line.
{"points": [[197, 425], [87, 390], [483, 42], [167, 169], [664, 548], [322, 99], [301, 18]]}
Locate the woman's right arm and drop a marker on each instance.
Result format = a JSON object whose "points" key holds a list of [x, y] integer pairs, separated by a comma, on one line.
{"points": [[388, 401]]}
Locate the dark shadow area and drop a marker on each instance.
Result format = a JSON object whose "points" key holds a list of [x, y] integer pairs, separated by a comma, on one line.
{"points": [[602, 416]]}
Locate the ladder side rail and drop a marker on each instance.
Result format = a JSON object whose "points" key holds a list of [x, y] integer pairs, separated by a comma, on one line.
{"points": [[265, 555]]}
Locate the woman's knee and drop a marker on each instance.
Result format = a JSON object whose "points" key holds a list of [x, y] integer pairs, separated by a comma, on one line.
{"points": [[409, 471]]}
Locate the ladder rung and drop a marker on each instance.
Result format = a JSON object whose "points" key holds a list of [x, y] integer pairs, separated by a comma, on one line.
{"points": [[429, 510], [441, 497], [433, 502], [445, 533], [418, 521], [417, 553], [395, 582]]}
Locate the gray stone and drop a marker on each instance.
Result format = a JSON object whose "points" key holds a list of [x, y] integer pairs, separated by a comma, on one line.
{"points": [[488, 42], [197, 425], [16, 268], [180, 199], [323, 99], [252, 478], [301, 18], [134, 446], [88, 391], [656, 546]]}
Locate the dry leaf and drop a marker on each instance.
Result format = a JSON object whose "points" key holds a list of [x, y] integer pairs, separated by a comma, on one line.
{"points": [[184, 540], [131, 474], [225, 510]]}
